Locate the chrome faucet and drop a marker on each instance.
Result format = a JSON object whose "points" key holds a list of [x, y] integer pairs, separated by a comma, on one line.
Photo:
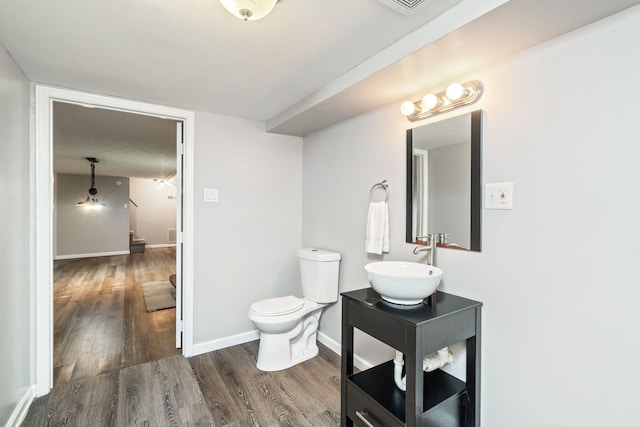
{"points": [[430, 246]]}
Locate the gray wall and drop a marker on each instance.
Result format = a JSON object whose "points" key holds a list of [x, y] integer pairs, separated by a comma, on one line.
{"points": [[246, 244], [15, 352], [449, 192], [82, 232], [558, 274], [156, 210]]}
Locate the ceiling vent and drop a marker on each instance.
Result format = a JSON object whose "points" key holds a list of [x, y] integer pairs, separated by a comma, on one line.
{"points": [[406, 7]]}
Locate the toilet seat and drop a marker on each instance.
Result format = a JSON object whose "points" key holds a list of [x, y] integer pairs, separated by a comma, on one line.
{"points": [[277, 306]]}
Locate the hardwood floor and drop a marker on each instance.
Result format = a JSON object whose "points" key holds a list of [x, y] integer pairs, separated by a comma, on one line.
{"points": [[100, 321], [239, 394], [221, 388], [116, 365]]}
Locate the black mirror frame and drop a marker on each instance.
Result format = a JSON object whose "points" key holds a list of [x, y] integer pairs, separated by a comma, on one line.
{"points": [[476, 183]]}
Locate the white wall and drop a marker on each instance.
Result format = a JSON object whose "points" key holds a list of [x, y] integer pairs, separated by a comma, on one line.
{"points": [[558, 274], [156, 210], [449, 190], [341, 164], [85, 232], [245, 245], [15, 352]]}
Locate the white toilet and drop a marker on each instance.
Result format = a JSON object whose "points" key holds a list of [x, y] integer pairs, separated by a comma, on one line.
{"points": [[288, 325]]}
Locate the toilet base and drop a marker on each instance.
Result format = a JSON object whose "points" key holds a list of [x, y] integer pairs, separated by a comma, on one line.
{"points": [[271, 364], [282, 351]]}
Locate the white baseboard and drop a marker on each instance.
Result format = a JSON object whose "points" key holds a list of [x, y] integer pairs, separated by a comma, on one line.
{"points": [[161, 245], [336, 347], [329, 343], [225, 342], [93, 255], [22, 408], [242, 338]]}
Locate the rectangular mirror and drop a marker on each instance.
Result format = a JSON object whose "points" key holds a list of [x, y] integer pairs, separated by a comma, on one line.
{"points": [[444, 188]]}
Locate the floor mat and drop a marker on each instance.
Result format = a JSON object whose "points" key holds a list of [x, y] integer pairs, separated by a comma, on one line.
{"points": [[159, 295]]}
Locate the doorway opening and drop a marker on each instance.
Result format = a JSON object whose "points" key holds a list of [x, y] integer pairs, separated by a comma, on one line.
{"points": [[46, 234], [115, 257]]}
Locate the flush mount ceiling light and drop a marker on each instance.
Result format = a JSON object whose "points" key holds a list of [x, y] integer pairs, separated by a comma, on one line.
{"points": [[456, 95], [249, 10], [92, 202]]}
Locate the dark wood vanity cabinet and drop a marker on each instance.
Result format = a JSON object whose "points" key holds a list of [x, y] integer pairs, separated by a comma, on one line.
{"points": [[433, 399]]}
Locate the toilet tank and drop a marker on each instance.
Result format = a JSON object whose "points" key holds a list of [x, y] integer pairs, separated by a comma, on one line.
{"points": [[319, 274]]}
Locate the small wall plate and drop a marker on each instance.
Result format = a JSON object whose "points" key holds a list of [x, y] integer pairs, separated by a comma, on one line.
{"points": [[498, 195]]}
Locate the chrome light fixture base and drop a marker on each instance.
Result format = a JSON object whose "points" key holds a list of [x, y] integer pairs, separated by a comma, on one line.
{"points": [[456, 95]]}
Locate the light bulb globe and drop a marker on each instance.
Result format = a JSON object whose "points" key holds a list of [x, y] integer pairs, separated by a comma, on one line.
{"points": [[454, 91], [429, 101], [407, 108]]}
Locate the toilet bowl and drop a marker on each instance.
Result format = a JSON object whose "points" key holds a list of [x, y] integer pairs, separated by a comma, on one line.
{"points": [[286, 338], [288, 325]]}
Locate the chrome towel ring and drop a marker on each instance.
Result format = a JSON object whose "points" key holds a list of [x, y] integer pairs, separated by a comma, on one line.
{"points": [[384, 184]]}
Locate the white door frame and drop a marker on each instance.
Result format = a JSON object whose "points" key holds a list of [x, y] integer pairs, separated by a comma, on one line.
{"points": [[42, 253]]}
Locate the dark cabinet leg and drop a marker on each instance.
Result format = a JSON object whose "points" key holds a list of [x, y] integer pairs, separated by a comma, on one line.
{"points": [[415, 379], [473, 374], [346, 363]]}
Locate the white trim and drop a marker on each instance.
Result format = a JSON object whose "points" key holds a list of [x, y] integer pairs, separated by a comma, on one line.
{"points": [[334, 346], [249, 336], [43, 248], [161, 245], [93, 255], [187, 234], [179, 224], [22, 408], [329, 343], [225, 342], [361, 363], [42, 252]]}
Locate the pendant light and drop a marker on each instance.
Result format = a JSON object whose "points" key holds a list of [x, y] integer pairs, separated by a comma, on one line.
{"points": [[92, 202], [249, 10]]}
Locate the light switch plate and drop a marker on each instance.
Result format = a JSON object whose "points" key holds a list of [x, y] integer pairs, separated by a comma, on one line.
{"points": [[210, 195], [498, 195]]}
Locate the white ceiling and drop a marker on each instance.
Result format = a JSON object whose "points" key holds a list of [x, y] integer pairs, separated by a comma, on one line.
{"points": [[309, 64], [194, 54], [125, 144]]}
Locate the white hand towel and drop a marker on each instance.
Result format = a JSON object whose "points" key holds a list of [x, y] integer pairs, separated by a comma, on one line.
{"points": [[377, 234]]}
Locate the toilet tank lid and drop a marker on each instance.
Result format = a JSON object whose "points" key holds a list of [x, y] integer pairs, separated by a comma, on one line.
{"points": [[321, 255]]}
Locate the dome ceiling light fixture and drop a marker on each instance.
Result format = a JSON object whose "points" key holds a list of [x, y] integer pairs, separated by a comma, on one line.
{"points": [[92, 202], [249, 10]]}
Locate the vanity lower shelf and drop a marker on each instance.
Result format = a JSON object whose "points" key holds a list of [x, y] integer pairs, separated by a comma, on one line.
{"points": [[374, 394]]}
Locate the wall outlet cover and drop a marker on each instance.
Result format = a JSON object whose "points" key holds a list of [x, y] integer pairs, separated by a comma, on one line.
{"points": [[498, 195]]}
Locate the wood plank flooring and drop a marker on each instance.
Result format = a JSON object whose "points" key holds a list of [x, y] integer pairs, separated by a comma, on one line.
{"points": [[221, 388], [116, 365], [239, 394], [86, 402], [100, 321], [163, 392]]}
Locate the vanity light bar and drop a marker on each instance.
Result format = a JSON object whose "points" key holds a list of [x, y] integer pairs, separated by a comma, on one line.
{"points": [[456, 95]]}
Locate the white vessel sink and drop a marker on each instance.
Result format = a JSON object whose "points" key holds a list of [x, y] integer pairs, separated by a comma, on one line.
{"points": [[405, 283]]}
